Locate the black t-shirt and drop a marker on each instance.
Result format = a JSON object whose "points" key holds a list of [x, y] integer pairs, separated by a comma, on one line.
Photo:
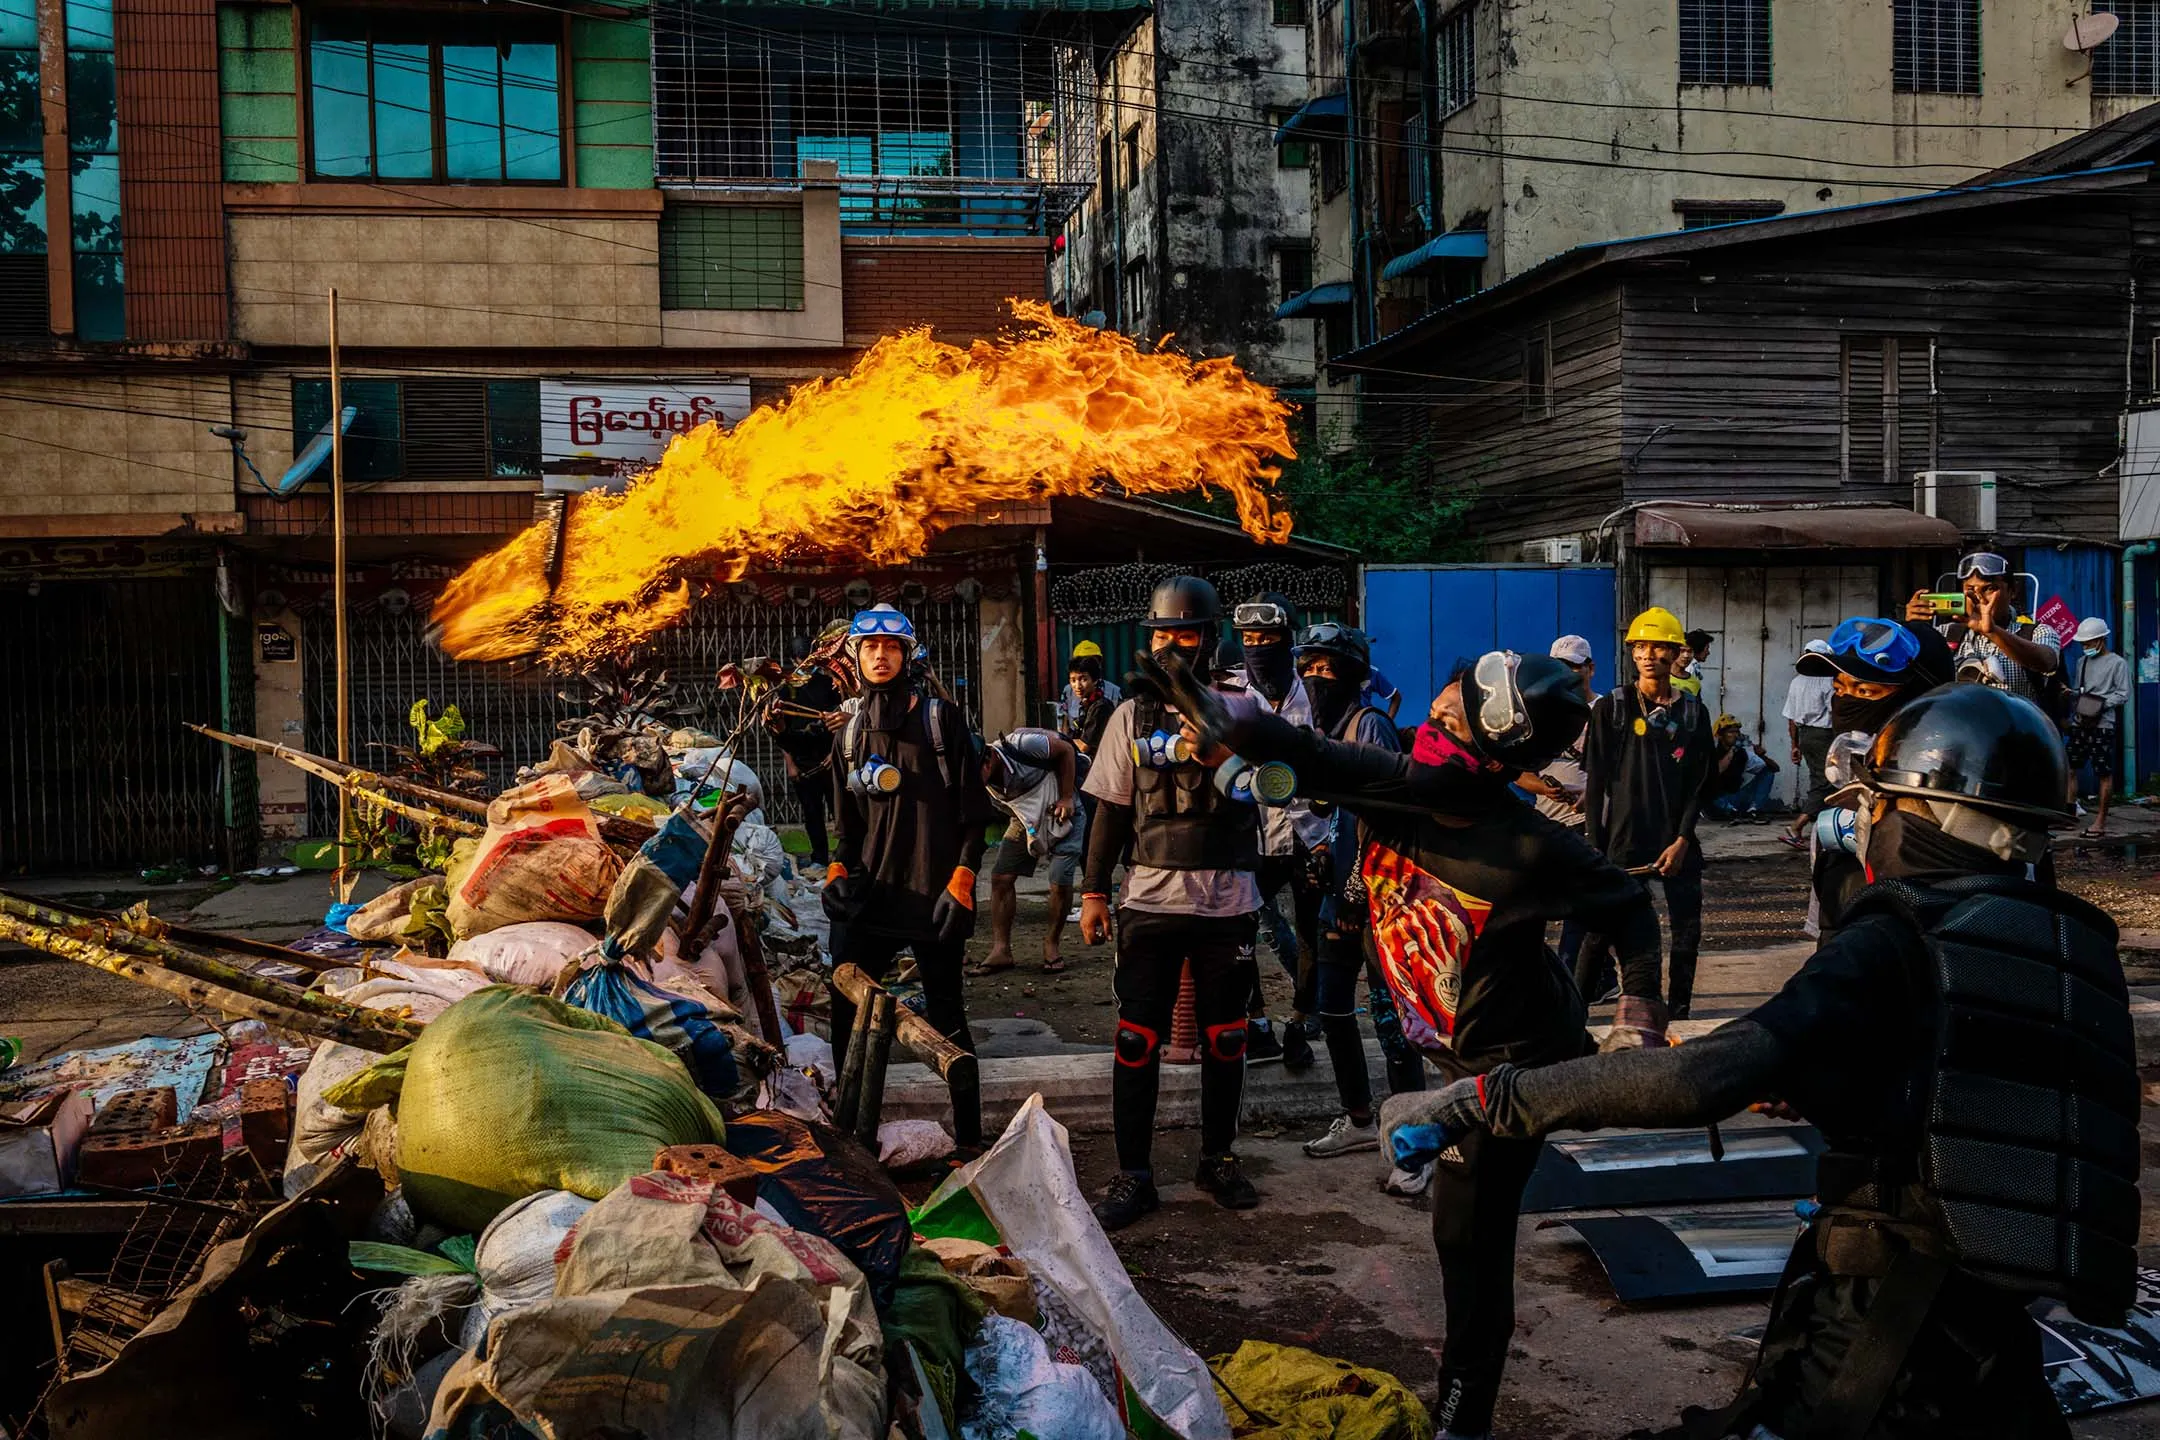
{"points": [[807, 742], [1095, 715], [1458, 910], [900, 849], [1644, 772]]}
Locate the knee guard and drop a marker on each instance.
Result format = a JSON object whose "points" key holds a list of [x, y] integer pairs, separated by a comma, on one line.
{"points": [[1136, 1044], [1226, 1041]]}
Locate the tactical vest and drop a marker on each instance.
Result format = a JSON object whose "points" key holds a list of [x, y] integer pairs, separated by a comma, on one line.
{"points": [[1180, 820], [855, 740], [2026, 1108]]}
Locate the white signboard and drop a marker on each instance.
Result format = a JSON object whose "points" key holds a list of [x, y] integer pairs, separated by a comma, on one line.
{"points": [[603, 428]]}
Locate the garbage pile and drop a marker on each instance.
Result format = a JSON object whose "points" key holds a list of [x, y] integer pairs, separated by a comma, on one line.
{"points": [[552, 1143]]}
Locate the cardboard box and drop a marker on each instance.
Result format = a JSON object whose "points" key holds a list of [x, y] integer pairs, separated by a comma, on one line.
{"points": [[39, 1140]]}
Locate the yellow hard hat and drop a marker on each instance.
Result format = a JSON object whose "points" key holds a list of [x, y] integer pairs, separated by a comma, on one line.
{"points": [[1657, 625], [1727, 722], [1085, 648]]}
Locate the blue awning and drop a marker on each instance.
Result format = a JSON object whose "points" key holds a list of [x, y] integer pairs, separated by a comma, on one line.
{"points": [[1320, 297], [1325, 112], [1455, 245]]}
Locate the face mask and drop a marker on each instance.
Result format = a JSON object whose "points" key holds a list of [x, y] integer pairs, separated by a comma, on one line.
{"points": [[886, 705], [2093, 649], [1902, 845], [1850, 712], [1268, 667], [1331, 700], [1434, 746]]}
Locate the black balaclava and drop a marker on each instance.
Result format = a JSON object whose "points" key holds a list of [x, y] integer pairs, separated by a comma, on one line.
{"points": [[1849, 712], [1268, 667], [1903, 846], [886, 706], [1332, 699]]}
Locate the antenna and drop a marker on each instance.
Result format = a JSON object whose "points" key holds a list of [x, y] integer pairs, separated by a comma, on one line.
{"points": [[311, 456], [2086, 34]]}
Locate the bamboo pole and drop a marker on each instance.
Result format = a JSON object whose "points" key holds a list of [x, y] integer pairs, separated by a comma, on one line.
{"points": [[345, 876], [351, 780], [375, 1036], [917, 1034], [330, 769], [112, 935]]}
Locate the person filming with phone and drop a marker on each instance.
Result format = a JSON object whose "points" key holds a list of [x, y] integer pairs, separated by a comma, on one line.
{"points": [[1993, 645]]}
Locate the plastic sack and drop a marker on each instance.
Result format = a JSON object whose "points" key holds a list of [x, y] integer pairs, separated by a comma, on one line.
{"points": [[517, 1256], [903, 1143], [827, 1184], [805, 1000], [542, 858], [1022, 1391], [1314, 1397], [709, 768], [400, 914], [533, 953], [511, 1092], [1022, 1194], [680, 1315], [682, 1022], [1000, 1280], [632, 807]]}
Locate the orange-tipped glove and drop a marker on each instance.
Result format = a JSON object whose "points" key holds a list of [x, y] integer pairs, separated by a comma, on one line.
{"points": [[834, 897], [954, 912]]}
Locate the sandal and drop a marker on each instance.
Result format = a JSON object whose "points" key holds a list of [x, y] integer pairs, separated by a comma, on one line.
{"points": [[2092, 832], [983, 967], [1053, 967]]}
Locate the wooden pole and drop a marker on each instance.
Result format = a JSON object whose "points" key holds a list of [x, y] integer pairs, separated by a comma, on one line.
{"points": [[329, 769], [374, 1036], [345, 875], [919, 1036], [870, 1101]]}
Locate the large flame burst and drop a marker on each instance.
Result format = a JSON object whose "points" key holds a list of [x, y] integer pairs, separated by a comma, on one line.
{"points": [[867, 466]]}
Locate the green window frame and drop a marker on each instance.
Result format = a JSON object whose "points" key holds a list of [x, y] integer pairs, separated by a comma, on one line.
{"points": [[731, 257], [1294, 154]]}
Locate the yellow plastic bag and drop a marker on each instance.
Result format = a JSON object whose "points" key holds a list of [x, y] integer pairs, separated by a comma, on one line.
{"points": [[1279, 1392]]}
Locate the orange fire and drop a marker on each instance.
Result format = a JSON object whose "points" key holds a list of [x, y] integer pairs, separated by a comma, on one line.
{"points": [[869, 465]]}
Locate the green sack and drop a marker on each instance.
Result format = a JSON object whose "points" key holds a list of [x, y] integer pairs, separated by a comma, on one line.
{"points": [[507, 1093]]}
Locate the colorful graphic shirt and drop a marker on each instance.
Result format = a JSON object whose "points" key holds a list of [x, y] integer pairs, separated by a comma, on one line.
{"points": [[1423, 928]]}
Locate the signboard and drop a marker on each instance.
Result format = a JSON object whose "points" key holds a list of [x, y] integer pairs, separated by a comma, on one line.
{"points": [[2059, 617], [276, 642], [606, 428]]}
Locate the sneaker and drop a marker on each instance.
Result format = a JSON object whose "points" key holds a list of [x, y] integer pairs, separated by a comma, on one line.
{"points": [[1345, 1137], [1297, 1050], [1220, 1176], [1129, 1197], [1408, 1183], [1261, 1046]]}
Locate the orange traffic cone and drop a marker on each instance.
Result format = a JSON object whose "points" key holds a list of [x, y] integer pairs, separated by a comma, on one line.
{"points": [[1184, 1046]]}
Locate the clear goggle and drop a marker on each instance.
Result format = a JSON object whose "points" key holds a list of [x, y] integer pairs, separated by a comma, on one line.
{"points": [[1260, 615], [1885, 644], [1503, 718], [1984, 563], [881, 622]]}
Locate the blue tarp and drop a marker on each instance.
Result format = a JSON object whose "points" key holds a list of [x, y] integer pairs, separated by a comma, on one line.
{"points": [[1455, 245], [1325, 112], [1320, 297]]}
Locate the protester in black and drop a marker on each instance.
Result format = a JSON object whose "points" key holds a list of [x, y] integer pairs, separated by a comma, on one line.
{"points": [[806, 746], [1091, 704], [1646, 760], [1190, 897], [1965, 1046], [1462, 877], [910, 813]]}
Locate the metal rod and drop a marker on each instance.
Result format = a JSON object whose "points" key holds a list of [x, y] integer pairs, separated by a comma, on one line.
{"points": [[345, 875], [870, 1104]]}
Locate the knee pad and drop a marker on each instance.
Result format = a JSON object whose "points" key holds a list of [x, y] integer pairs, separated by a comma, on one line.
{"points": [[1136, 1044], [1227, 1041]]}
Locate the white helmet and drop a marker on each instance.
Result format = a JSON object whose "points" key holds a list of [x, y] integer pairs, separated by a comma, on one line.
{"points": [[2092, 628]]}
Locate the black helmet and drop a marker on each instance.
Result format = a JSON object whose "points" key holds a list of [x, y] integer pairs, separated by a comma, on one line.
{"points": [[1268, 610], [1979, 746], [1183, 600], [1343, 643], [1523, 709]]}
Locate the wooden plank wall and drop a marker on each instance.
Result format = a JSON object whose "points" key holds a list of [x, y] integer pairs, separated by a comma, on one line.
{"points": [[1735, 361], [1543, 462], [171, 220]]}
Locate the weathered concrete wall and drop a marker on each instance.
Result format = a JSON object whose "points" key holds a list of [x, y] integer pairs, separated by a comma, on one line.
{"points": [[1004, 695], [1828, 130], [108, 455]]}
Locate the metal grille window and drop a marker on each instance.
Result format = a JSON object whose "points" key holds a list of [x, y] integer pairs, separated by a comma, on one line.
{"points": [[430, 429], [1888, 385], [1935, 47], [1289, 12], [24, 312], [1293, 266], [731, 257], [930, 127], [1291, 154], [2128, 63], [472, 97], [1457, 59], [1725, 42]]}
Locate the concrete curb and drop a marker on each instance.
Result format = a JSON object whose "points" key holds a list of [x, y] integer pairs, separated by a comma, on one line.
{"points": [[1076, 1088]]}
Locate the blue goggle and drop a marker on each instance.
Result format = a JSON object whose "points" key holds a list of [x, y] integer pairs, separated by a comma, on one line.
{"points": [[881, 622], [1884, 644]]}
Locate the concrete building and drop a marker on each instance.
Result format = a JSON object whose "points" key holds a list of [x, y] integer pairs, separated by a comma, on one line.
{"points": [[558, 237], [1198, 226], [1490, 135]]}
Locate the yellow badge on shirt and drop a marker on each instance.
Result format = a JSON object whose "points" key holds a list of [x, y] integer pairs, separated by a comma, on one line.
{"points": [[1642, 726]]}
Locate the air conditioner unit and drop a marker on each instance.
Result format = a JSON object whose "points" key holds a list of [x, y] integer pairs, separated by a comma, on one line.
{"points": [[1966, 498], [1553, 552]]}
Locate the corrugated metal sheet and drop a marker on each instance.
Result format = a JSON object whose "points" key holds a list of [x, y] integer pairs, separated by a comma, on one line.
{"points": [[1427, 622], [171, 222], [2082, 577]]}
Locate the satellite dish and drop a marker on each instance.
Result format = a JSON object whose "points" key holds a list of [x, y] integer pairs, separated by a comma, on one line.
{"points": [[2088, 32], [311, 458]]}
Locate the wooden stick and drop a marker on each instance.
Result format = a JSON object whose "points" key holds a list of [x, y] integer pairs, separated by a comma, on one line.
{"points": [[752, 948], [919, 1036], [204, 941], [380, 1033], [333, 771], [112, 935], [870, 1103]]}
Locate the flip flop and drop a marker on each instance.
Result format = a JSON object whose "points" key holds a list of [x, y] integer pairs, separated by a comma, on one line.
{"points": [[983, 967], [1791, 841], [1053, 967], [2089, 833]]}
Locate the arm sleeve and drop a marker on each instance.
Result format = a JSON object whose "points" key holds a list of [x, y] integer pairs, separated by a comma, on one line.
{"points": [[1108, 833], [1608, 901], [1596, 762], [1697, 1083], [847, 815], [2118, 686], [977, 809], [1357, 775]]}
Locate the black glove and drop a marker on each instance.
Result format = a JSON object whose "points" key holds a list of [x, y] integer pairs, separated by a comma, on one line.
{"points": [[834, 897], [953, 915], [1189, 695]]}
